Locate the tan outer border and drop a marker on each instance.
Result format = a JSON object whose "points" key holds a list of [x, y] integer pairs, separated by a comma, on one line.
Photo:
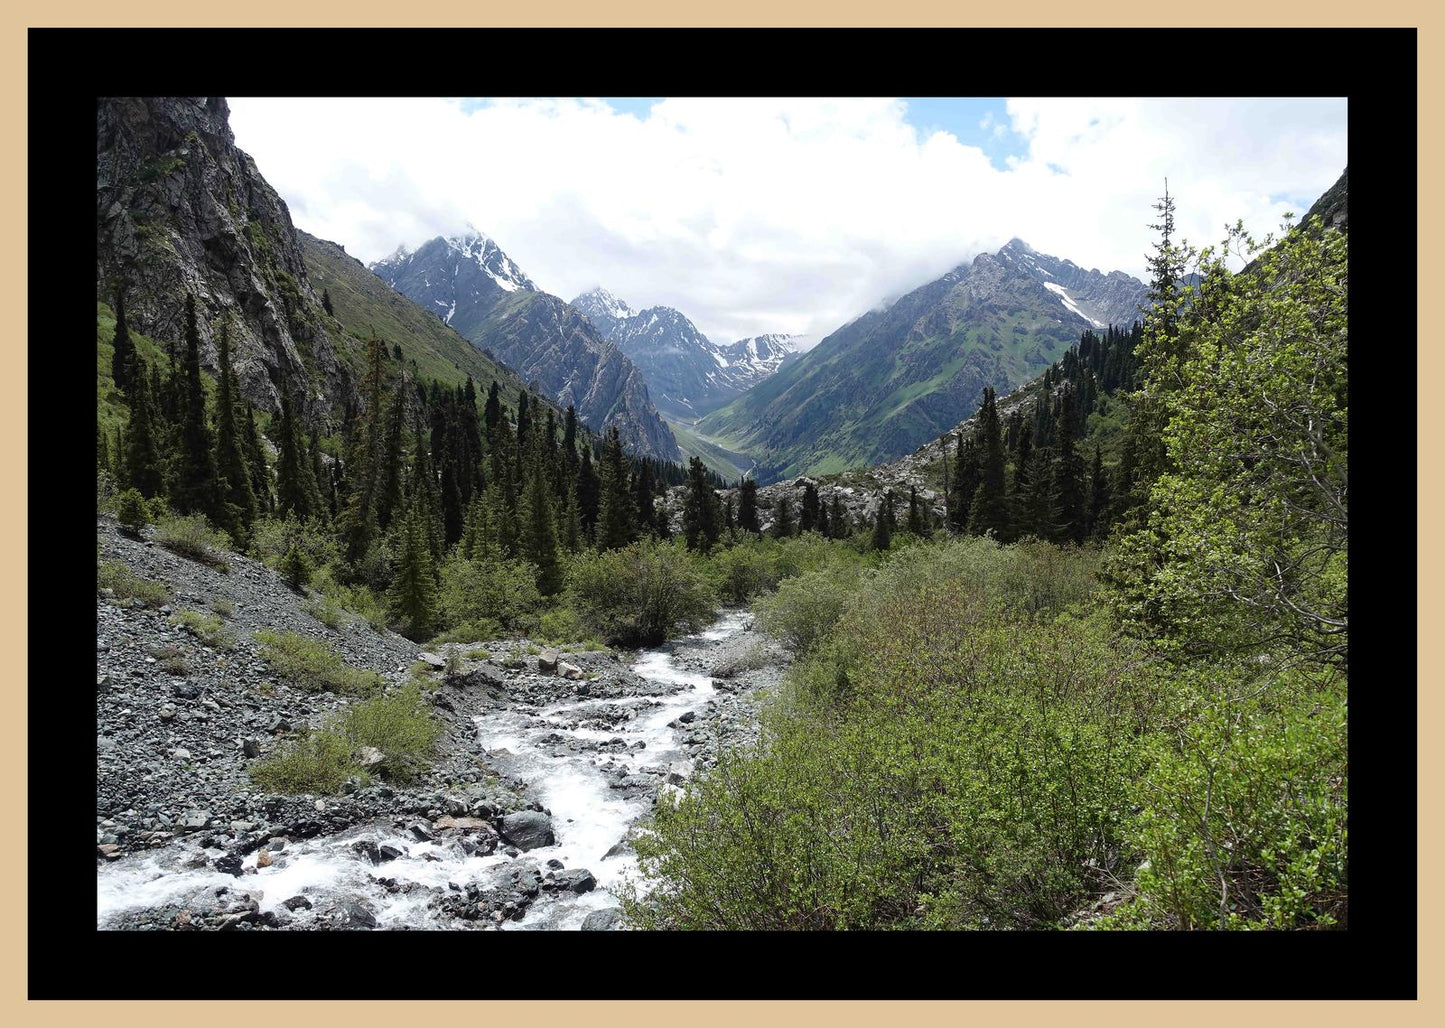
{"points": [[13, 71]]}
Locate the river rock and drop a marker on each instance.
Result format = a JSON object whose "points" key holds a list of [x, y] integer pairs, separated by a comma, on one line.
{"points": [[528, 829], [578, 880], [359, 912], [608, 919], [297, 903], [571, 671], [548, 660]]}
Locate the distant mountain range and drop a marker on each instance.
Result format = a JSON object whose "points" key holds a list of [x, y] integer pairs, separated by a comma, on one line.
{"points": [[893, 379], [469, 283], [688, 374]]}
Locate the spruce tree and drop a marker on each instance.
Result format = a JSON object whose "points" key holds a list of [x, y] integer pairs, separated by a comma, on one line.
{"points": [[825, 528], [572, 534], [413, 589], [966, 477], [1069, 476], [989, 508], [256, 463], [196, 487], [296, 490], [144, 466], [1098, 524], [748, 507], [916, 523], [123, 361], [808, 513], [699, 525], [838, 519], [615, 513], [783, 522], [230, 452], [883, 523], [539, 534]]}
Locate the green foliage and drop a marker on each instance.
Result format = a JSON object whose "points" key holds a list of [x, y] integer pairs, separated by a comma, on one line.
{"points": [[489, 589], [1243, 811], [471, 631], [805, 609], [296, 567], [1244, 542], [399, 724], [192, 536], [315, 762], [125, 585], [323, 610], [973, 776], [313, 666], [561, 625], [210, 629], [641, 594], [132, 511]]}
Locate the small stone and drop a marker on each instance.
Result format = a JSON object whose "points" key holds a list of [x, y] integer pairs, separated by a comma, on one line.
{"points": [[369, 756], [358, 912], [387, 852], [108, 850], [605, 920], [181, 753], [320, 804], [422, 832], [167, 712], [297, 903], [555, 864], [571, 671], [263, 858], [688, 718], [250, 747]]}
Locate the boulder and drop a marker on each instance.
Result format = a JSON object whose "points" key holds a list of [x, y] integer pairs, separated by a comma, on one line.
{"points": [[528, 829], [548, 660], [571, 671], [370, 756], [608, 919]]}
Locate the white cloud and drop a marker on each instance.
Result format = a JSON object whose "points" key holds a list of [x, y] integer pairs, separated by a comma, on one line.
{"points": [[791, 215]]}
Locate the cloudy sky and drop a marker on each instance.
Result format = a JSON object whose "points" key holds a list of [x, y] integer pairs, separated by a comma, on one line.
{"points": [[784, 215]]}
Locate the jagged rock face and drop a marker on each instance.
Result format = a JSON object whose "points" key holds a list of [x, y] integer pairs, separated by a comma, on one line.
{"points": [[896, 377], [473, 286], [179, 209], [687, 373], [460, 279], [1100, 299], [554, 345]]}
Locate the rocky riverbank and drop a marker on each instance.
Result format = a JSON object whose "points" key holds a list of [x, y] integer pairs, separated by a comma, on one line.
{"points": [[186, 840]]}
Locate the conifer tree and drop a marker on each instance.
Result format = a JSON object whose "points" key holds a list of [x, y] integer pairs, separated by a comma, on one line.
{"points": [[1039, 508], [730, 520], [413, 589], [808, 513], [615, 514], [1098, 526], [699, 526], [326, 303], [196, 487], [493, 411], [1069, 476], [123, 361], [230, 452], [476, 540], [572, 534], [916, 522], [539, 535], [825, 527], [588, 488], [883, 523], [838, 518], [989, 508], [144, 467], [296, 490], [256, 463], [966, 477], [389, 491], [748, 507], [783, 522]]}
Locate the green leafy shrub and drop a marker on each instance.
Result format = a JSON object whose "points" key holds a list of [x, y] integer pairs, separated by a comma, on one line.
{"points": [[323, 610], [125, 585], [208, 628], [314, 762], [132, 511], [471, 631], [561, 625], [223, 607], [1243, 812], [296, 568], [313, 666], [400, 725], [805, 609], [488, 589], [973, 773], [192, 536], [272, 539], [358, 599], [641, 594]]}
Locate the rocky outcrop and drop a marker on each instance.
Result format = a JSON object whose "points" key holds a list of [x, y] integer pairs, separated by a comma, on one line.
{"points": [[180, 210], [552, 344]]}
